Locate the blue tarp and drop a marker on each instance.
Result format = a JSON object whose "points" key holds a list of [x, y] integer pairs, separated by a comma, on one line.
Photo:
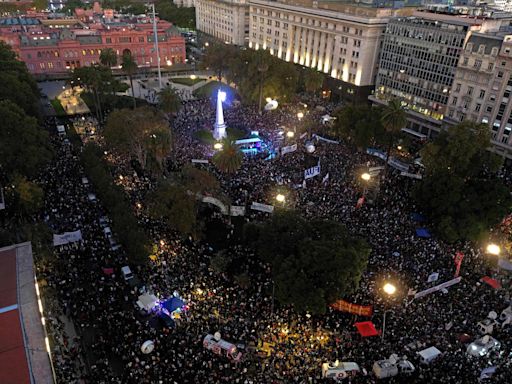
{"points": [[417, 217], [423, 232], [173, 304]]}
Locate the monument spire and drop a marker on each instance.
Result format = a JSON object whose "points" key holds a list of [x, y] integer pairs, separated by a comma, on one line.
{"points": [[219, 128]]}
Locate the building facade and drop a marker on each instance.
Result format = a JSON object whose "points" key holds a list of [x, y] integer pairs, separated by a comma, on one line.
{"points": [[226, 20], [337, 39], [482, 88], [56, 46], [418, 61], [184, 3]]}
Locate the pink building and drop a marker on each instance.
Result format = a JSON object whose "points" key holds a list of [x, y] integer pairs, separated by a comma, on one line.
{"points": [[54, 46]]}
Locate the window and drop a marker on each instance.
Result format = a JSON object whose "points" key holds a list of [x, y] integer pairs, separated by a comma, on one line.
{"points": [[477, 107], [141, 39], [500, 75], [478, 63], [109, 40], [454, 101], [482, 94], [470, 91], [490, 66], [457, 87], [488, 108], [465, 62], [492, 97]]}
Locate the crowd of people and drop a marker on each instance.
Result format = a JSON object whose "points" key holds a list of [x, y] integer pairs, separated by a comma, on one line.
{"points": [[112, 329]]}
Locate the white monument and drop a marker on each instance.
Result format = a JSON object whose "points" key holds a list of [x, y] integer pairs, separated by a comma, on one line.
{"points": [[219, 128]]}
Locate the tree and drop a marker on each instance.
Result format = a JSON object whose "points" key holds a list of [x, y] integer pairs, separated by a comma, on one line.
{"points": [[71, 5], [312, 79], [393, 119], [142, 133], [314, 263], [40, 5], [358, 124], [175, 206], [216, 58], [460, 190], [108, 57], [29, 195], [182, 17], [229, 159], [199, 181], [18, 85], [169, 101], [130, 68], [23, 145]]}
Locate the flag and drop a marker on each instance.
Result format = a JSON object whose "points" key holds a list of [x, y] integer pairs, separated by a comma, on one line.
{"points": [[326, 178], [360, 202]]}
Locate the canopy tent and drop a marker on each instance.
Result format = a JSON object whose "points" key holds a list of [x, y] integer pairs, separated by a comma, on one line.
{"points": [[173, 304], [366, 329], [147, 301], [423, 232], [492, 282], [417, 217]]}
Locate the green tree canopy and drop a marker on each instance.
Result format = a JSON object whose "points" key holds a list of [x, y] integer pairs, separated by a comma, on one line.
{"points": [[358, 124], [142, 133], [169, 101], [182, 17], [460, 190], [311, 79], [108, 57], [130, 67], [229, 159], [313, 263], [23, 145]]}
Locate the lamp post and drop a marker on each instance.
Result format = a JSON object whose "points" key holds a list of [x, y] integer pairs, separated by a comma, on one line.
{"points": [[493, 249], [290, 134], [281, 198], [300, 115], [366, 177], [390, 290], [217, 146]]}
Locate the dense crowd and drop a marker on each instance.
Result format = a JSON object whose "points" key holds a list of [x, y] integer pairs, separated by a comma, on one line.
{"points": [[112, 329]]}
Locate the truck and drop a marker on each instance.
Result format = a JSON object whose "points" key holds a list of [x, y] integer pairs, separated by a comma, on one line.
{"points": [[392, 367]]}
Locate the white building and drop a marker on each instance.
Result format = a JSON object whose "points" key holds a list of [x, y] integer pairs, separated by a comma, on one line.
{"points": [[503, 5], [338, 39], [226, 20], [184, 3]]}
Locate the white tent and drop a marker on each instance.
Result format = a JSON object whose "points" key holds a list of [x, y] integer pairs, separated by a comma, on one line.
{"points": [[147, 301], [428, 355]]}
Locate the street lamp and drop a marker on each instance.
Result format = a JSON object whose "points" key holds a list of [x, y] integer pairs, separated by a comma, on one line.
{"points": [[290, 134], [389, 289], [193, 77], [366, 176], [493, 249], [300, 115], [217, 146], [280, 198]]}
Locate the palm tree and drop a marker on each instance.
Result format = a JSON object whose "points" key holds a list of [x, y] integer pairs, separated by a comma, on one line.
{"points": [[393, 119], [130, 68], [262, 69], [108, 57], [168, 101], [229, 159]]}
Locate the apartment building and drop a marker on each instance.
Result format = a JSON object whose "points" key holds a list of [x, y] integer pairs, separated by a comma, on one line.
{"points": [[418, 61], [340, 40], [482, 88], [226, 20]]}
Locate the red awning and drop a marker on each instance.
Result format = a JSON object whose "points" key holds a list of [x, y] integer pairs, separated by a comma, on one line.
{"points": [[492, 282], [366, 329]]}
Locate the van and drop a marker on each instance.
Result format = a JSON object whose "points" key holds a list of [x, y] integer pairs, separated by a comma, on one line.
{"points": [[340, 370], [127, 273], [429, 355]]}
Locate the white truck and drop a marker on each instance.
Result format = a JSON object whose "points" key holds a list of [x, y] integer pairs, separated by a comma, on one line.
{"points": [[222, 347], [392, 367], [341, 370]]}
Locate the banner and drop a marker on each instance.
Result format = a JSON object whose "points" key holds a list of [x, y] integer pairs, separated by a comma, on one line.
{"points": [[262, 207], [325, 179], [411, 175], [312, 172], [200, 161], [446, 284], [505, 264], [315, 136], [288, 149], [237, 210], [402, 167], [376, 152], [216, 202], [303, 135], [374, 171], [67, 237], [345, 306]]}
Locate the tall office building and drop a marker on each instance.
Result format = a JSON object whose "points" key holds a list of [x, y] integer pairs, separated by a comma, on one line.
{"points": [[418, 60], [226, 20], [482, 88]]}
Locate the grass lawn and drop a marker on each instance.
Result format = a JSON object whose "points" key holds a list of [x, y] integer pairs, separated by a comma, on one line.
{"points": [[210, 88], [186, 81], [57, 106]]}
